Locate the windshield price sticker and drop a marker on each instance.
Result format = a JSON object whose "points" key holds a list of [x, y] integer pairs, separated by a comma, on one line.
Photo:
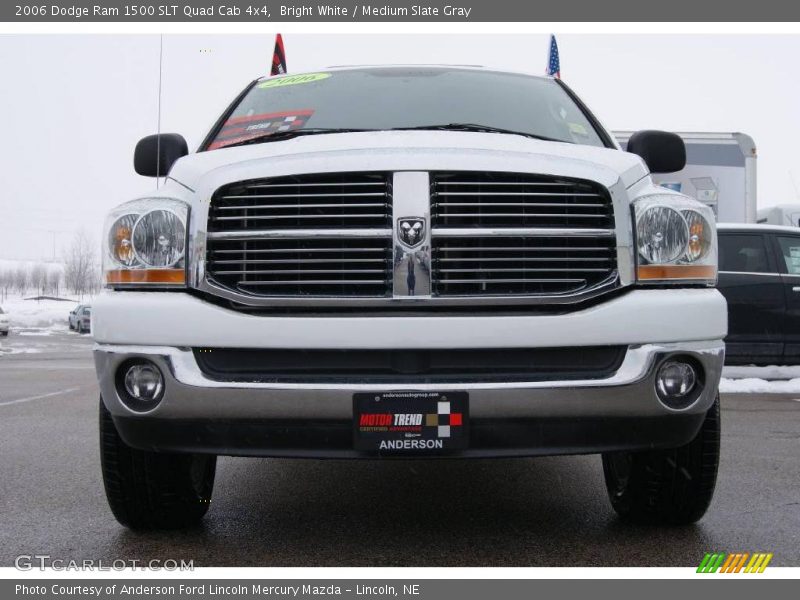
{"points": [[293, 80]]}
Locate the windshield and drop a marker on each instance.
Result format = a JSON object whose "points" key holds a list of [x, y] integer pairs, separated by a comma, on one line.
{"points": [[402, 97]]}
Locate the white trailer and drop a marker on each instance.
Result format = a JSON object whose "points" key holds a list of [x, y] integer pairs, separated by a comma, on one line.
{"points": [[720, 171], [781, 214]]}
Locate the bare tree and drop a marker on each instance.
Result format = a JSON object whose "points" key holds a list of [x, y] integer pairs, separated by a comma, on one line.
{"points": [[38, 278], [21, 279], [80, 264], [54, 276], [6, 282]]}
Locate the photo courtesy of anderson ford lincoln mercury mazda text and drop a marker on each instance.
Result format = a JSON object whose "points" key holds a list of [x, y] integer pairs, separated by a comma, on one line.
{"points": [[403, 261]]}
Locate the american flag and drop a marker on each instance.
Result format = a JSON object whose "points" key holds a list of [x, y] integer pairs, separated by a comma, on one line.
{"points": [[553, 64]]}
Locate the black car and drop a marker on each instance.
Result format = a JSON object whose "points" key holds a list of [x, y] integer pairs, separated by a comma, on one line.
{"points": [[759, 275]]}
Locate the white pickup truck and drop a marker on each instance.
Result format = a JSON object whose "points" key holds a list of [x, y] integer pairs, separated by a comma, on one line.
{"points": [[384, 262]]}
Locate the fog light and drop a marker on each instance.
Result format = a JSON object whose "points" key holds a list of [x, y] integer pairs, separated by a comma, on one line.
{"points": [[144, 382], [675, 382]]}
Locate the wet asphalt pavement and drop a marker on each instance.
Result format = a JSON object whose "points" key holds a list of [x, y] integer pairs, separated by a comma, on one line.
{"points": [[519, 512]]}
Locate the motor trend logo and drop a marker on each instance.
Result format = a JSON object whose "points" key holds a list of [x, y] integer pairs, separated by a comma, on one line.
{"points": [[721, 562], [443, 422]]}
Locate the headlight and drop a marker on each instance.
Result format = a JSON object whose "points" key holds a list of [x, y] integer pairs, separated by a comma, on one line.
{"points": [[146, 243], [661, 234], [675, 240], [158, 238]]}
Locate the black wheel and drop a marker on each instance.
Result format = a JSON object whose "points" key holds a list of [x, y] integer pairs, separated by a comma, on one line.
{"points": [[672, 486], [153, 490], [71, 328], [4, 334]]}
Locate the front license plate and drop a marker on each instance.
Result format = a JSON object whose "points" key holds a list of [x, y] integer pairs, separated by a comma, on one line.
{"points": [[411, 422]]}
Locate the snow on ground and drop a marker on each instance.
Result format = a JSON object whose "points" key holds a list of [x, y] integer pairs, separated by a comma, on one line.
{"points": [[773, 372], [760, 380], [759, 386], [38, 314], [39, 326], [16, 350]]}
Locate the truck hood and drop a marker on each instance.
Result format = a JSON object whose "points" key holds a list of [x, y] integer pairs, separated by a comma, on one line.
{"points": [[403, 151]]}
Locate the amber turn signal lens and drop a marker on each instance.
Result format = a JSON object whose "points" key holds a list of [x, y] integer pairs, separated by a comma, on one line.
{"points": [[658, 272], [122, 249], [146, 276]]}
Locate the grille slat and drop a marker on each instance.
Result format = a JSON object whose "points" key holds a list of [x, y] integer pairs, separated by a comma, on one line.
{"points": [[279, 206], [506, 234], [301, 196], [321, 237], [280, 261], [526, 280], [300, 184], [299, 234], [526, 232], [331, 282], [522, 270], [484, 249], [319, 217], [524, 260], [300, 271], [246, 251], [481, 193], [524, 215], [545, 204]]}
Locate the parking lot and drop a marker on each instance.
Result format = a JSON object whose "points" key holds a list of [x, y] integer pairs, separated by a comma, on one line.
{"points": [[522, 512]]}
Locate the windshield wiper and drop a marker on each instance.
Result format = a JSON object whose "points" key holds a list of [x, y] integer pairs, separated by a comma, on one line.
{"points": [[480, 129], [277, 136]]}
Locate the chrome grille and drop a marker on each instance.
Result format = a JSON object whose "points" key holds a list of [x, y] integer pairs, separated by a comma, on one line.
{"points": [[307, 235], [335, 201], [521, 265], [479, 199], [506, 234]]}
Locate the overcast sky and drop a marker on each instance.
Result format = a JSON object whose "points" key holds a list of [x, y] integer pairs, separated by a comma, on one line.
{"points": [[73, 106]]}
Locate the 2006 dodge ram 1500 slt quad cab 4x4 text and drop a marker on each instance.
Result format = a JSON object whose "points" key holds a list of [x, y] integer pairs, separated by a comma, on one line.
{"points": [[409, 262]]}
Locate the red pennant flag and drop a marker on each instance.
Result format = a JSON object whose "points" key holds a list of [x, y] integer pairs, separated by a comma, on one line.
{"points": [[278, 57]]}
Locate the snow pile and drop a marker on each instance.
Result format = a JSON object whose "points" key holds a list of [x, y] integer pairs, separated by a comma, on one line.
{"points": [[17, 350], [38, 314], [760, 380]]}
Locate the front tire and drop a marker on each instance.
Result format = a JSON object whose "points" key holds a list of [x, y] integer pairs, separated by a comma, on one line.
{"points": [[672, 486], [153, 490]]}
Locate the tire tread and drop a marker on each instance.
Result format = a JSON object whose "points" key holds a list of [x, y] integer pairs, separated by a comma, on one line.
{"points": [[673, 486], [151, 490]]}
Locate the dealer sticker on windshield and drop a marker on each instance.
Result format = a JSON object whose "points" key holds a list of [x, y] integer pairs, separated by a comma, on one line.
{"points": [[293, 80], [410, 422]]}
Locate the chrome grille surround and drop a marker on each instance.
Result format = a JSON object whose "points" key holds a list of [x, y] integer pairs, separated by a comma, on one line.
{"points": [[608, 241]]}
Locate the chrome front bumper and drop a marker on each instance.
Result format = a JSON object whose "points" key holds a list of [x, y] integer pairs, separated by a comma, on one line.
{"points": [[189, 394]]}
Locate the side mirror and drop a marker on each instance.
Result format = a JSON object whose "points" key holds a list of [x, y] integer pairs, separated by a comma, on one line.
{"points": [[155, 154], [663, 152]]}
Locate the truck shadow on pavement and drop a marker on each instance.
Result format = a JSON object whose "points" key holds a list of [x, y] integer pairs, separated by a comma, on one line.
{"points": [[510, 512]]}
